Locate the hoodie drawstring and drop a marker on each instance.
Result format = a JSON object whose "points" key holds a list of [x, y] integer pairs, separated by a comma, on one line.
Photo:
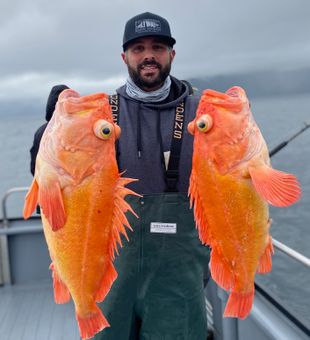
{"points": [[139, 140]]}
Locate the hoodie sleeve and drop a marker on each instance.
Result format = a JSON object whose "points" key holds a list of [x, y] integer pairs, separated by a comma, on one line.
{"points": [[50, 107], [52, 100], [35, 147]]}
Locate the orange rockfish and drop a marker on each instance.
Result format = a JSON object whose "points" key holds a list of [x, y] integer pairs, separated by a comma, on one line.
{"points": [[81, 195], [231, 184]]}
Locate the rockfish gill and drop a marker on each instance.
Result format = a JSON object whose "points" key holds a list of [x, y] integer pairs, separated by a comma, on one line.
{"points": [[231, 184], [81, 195]]}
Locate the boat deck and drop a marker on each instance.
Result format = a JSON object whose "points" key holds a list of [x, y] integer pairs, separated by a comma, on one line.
{"points": [[28, 312]]}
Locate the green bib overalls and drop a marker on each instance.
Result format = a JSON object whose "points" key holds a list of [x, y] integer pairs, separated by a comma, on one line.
{"points": [[158, 294], [159, 291]]}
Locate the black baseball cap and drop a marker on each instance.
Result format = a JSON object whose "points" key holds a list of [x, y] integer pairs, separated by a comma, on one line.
{"points": [[145, 25]]}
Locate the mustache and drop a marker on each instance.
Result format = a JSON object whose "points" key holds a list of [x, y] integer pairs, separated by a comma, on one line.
{"points": [[149, 63]]}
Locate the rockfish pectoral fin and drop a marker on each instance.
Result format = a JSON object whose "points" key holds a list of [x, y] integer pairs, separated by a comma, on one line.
{"points": [[276, 187], [51, 202], [31, 199], [61, 292]]}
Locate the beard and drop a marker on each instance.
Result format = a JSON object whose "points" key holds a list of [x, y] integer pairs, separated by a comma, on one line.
{"points": [[146, 83]]}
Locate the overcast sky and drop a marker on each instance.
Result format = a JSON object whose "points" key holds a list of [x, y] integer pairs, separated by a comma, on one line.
{"points": [[78, 42]]}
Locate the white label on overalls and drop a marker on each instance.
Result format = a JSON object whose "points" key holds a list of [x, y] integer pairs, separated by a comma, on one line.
{"points": [[164, 228]]}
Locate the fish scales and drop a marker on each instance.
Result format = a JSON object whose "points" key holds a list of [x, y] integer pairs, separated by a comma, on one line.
{"points": [[232, 223], [231, 184], [78, 242], [81, 194]]}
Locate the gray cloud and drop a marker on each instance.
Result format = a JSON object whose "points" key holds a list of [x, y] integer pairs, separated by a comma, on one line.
{"points": [[78, 42]]}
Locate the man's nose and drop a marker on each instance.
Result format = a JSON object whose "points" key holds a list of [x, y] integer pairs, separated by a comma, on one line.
{"points": [[149, 54]]}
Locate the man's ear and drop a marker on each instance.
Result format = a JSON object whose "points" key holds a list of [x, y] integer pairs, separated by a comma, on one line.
{"points": [[124, 57], [172, 54]]}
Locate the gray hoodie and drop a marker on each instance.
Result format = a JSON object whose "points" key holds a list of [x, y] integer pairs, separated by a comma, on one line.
{"points": [[148, 128]]}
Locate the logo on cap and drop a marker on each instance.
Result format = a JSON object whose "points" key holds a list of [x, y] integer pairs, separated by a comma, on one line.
{"points": [[147, 25]]}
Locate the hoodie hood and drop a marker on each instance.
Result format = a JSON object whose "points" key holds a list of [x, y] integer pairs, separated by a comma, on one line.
{"points": [[178, 92], [52, 100]]}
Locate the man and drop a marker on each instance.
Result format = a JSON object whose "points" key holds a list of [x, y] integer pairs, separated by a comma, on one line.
{"points": [[159, 290]]}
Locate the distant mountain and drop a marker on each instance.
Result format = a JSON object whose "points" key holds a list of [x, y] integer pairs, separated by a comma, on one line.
{"points": [[22, 108], [256, 84], [262, 83]]}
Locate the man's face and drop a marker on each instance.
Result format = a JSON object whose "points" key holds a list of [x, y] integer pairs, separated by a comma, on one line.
{"points": [[149, 62]]}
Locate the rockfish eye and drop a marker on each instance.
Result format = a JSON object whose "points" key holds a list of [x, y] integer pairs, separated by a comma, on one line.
{"points": [[106, 131], [103, 129], [204, 123]]}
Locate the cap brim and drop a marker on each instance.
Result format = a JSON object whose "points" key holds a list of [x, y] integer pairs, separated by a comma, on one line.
{"points": [[168, 40]]}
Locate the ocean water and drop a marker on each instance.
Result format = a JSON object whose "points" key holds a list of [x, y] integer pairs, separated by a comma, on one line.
{"points": [[278, 117]]}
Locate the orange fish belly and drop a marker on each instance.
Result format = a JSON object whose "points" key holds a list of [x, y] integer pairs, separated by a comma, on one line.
{"points": [[82, 250], [234, 220]]}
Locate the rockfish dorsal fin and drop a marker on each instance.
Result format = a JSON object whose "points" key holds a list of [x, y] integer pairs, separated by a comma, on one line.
{"points": [[119, 221], [200, 216], [119, 218], [276, 187]]}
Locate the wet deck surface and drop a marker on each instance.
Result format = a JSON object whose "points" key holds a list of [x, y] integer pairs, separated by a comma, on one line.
{"points": [[28, 312]]}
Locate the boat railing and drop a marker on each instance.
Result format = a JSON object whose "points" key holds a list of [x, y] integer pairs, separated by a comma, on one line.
{"points": [[5, 221], [4, 227], [6, 230]]}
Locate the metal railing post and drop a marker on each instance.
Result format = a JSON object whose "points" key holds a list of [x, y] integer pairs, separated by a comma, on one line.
{"points": [[5, 275]]}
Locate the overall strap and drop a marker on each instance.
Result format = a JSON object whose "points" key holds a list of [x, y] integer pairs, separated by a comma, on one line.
{"points": [[114, 103], [172, 173]]}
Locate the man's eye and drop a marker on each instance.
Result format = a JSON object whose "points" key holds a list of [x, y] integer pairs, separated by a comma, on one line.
{"points": [[158, 47], [138, 48]]}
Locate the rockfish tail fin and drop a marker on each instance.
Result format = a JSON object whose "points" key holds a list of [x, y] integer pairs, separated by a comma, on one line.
{"points": [[51, 202], [239, 305], [31, 199], [61, 292], [276, 187], [91, 324]]}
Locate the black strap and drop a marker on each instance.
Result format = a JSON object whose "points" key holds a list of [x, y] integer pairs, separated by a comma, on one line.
{"points": [[172, 173], [114, 103]]}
